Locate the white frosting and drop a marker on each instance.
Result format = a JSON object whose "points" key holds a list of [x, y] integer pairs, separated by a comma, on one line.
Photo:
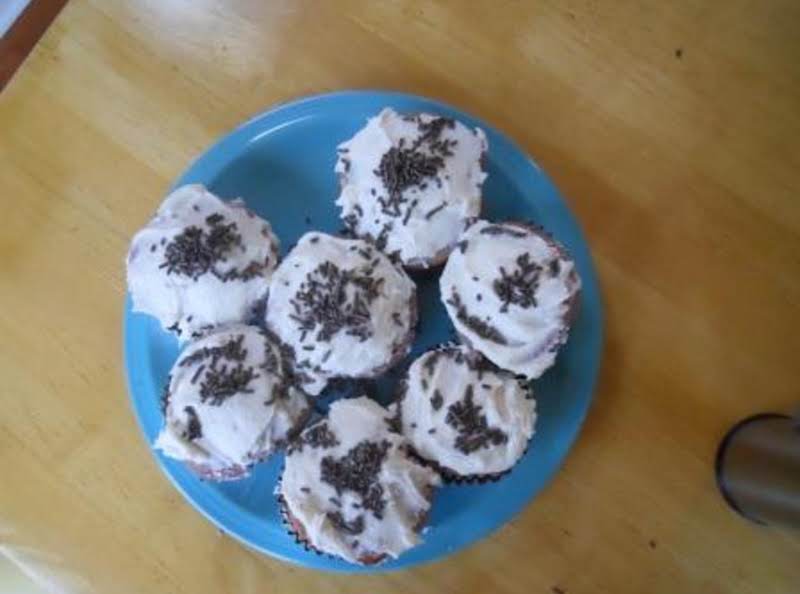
{"points": [[239, 429], [190, 305], [403, 485], [527, 336], [437, 386], [448, 199], [387, 320]]}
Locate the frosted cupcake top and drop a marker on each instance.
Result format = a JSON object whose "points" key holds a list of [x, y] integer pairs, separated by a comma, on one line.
{"points": [[343, 307], [463, 415], [410, 182], [510, 292], [195, 249], [351, 485], [230, 400]]}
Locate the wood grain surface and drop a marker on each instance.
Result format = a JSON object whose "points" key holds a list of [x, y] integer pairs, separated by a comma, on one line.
{"points": [[672, 129]]}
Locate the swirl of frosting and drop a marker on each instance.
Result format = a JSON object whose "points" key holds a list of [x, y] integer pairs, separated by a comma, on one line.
{"points": [[343, 307], [196, 248], [351, 489], [230, 402], [511, 293], [410, 183], [464, 414]]}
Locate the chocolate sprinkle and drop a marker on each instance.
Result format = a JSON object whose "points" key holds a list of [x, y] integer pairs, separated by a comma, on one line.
{"points": [[474, 323], [196, 251], [357, 471], [437, 400], [197, 374], [408, 212], [519, 287], [355, 526], [193, 429], [473, 429], [433, 211], [164, 400]]}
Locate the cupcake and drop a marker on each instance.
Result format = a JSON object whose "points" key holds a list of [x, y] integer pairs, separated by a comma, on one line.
{"points": [[195, 249], [468, 419], [350, 489], [410, 183], [511, 292], [343, 307], [230, 403]]}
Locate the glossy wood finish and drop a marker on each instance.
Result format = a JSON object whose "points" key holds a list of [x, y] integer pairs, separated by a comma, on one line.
{"points": [[672, 128]]}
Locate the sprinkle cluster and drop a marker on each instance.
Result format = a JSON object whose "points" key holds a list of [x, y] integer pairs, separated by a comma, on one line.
{"points": [[222, 370], [332, 299], [316, 436], [519, 286], [196, 251], [407, 166], [473, 429], [403, 167], [357, 471]]}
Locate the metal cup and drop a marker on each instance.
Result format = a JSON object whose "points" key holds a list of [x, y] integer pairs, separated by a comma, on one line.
{"points": [[758, 469]]}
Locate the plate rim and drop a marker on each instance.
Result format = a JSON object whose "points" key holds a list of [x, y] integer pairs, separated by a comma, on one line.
{"points": [[210, 160]]}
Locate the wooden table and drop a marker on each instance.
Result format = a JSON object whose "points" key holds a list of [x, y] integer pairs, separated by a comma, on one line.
{"points": [[672, 129]]}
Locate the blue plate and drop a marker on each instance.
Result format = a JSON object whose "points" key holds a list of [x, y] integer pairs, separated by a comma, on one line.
{"points": [[281, 163]]}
